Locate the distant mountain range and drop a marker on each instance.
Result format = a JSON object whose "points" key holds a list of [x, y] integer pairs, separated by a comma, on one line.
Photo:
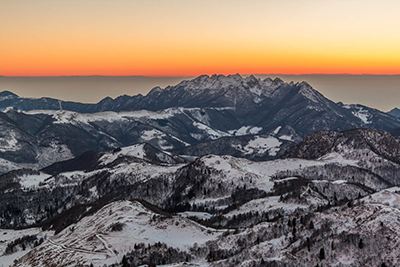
{"points": [[209, 114]]}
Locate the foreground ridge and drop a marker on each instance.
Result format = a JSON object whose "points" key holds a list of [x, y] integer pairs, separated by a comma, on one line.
{"points": [[332, 196]]}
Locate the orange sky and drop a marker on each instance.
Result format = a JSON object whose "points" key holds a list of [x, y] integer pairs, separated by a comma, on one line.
{"points": [[188, 38]]}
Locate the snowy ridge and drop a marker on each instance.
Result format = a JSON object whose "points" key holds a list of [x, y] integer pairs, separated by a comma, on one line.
{"points": [[309, 92], [136, 151], [199, 120], [92, 240], [65, 116], [239, 171], [141, 151], [270, 204], [258, 89], [389, 197], [130, 172]]}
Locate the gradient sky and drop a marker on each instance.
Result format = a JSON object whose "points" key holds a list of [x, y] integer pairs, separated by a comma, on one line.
{"points": [[189, 38]]}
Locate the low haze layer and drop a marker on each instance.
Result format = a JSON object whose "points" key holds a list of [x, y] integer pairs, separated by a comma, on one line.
{"points": [[378, 91]]}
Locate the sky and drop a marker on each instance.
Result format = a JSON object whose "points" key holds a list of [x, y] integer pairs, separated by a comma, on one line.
{"points": [[170, 40], [189, 38]]}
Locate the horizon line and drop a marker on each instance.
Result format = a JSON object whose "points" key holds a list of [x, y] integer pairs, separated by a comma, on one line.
{"points": [[190, 76]]}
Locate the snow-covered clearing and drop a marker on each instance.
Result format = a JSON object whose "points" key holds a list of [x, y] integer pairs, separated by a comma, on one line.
{"points": [[8, 235], [33, 180]]}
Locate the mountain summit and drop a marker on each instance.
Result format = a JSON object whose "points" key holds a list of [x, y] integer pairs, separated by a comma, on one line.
{"points": [[191, 112], [395, 112], [203, 91]]}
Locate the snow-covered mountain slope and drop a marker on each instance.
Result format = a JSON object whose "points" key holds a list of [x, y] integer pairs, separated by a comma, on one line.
{"points": [[199, 110], [139, 171], [165, 186], [268, 104], [184, 117], [377, 154], [336, 193], [40, 138], [16, 243], [254, 147], [93, 160], [360, 234], [368, 115], [113, 231], [212, 182], [347, 143], [126, 233]]}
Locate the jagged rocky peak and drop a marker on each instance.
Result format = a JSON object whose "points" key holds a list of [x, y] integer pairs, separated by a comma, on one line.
{"points": [[107, 98], [156, 90], [308, 91], [212, 82], [304, 85], [252, 81], [228, 89], [276, 82], [221, 81]]}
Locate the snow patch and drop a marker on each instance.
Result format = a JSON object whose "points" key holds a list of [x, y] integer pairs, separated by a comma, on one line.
{"points": [[335, 157], [255, 130], [362, 114], [267, 204], [214, 134], [33, 180], [244, 130], [261, 145], [286, 137], [277, 130], [339, 182], [387, 197], [200, 215], [152, 134]]}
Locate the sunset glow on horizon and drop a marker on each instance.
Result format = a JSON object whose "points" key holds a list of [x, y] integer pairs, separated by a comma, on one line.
{"points": [[189, 38]]}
